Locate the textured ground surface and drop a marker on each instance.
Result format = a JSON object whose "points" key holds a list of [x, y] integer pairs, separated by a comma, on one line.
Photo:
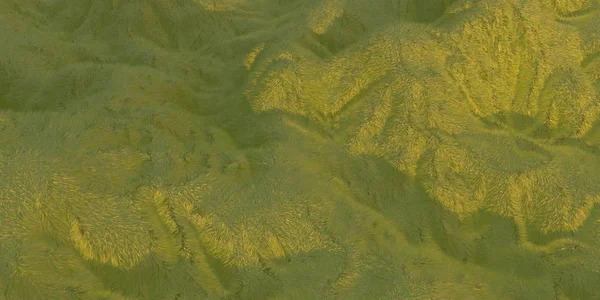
{"points": [[281, 149]]}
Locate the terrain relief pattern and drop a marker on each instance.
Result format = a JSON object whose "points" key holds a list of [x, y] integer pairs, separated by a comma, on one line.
{"points": [[286, 149]]}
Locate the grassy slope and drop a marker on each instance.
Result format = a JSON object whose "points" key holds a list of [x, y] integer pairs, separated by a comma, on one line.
{"points": [[325, 149]]}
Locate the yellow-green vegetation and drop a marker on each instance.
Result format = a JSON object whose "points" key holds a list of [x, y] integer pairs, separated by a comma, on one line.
{"points": [[288, 149]]}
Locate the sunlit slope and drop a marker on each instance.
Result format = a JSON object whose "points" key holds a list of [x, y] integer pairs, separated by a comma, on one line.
{"points": [[279, 149]]}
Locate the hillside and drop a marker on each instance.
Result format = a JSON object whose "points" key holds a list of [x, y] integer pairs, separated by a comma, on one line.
{"points": [[286, 149]]}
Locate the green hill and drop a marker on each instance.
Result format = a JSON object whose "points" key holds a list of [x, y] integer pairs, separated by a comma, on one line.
{"points": [[286, 149]]}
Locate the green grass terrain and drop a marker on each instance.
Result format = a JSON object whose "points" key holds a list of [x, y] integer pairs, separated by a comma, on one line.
{"points": [[287, 149]]}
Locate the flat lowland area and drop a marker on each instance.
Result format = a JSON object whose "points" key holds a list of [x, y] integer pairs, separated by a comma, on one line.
{"points": [[299, 149]]}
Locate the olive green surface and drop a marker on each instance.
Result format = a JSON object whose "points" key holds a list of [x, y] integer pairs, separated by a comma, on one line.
{"points": [[288, 149]]}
